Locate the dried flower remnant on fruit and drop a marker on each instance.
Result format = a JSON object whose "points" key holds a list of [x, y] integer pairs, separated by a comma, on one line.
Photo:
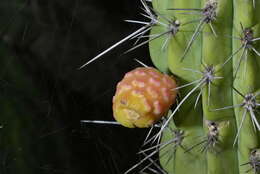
{"points": [[142, 97]]}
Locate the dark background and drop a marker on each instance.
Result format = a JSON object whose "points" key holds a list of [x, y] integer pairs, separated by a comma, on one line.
{"points": [[43, 94]]}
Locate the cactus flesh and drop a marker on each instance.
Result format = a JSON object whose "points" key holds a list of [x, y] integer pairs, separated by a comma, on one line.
{"points": [[216, 52]]}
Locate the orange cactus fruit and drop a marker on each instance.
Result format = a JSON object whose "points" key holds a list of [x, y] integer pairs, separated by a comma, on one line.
{"points": [[143, 97]]}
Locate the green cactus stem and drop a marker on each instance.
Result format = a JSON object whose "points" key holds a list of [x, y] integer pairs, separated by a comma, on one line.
{"points": [[215, 52], [212, 49]]}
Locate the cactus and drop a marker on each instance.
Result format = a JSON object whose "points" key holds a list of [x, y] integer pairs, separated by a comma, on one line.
{"points": [[215, 51], [212, 49]]}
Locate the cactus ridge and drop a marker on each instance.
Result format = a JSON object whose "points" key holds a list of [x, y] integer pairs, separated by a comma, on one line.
{"points": [[208, 15], [247, 40]]}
